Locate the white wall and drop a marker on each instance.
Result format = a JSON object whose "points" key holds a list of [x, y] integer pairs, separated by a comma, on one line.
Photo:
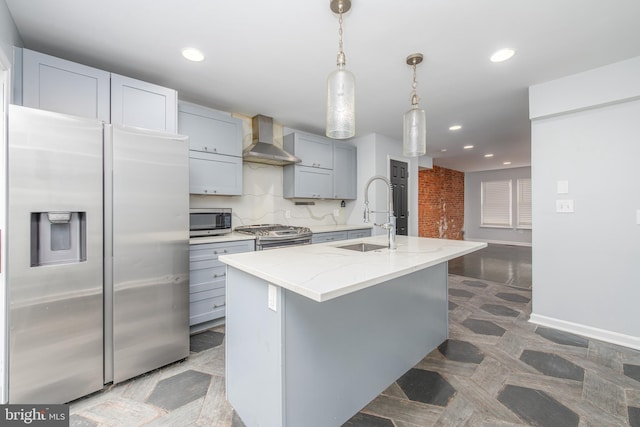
{"points": [[585, 264], [473, 207]]}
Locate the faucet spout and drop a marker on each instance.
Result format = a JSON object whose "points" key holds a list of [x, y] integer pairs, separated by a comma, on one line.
{"points": [[390, 225]]}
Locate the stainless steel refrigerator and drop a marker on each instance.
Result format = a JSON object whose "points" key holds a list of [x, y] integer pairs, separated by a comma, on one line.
{"points": [[97, 262]]}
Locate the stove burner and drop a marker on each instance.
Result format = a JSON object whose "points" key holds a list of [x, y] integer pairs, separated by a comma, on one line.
{"points": [[272, 230]]}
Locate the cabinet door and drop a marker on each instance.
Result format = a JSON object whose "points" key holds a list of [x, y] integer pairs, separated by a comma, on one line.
{"points": [[308, 183], [210, 131], [55, 84], [214, 174], [144, 105], [314, 151], [344, 171]]}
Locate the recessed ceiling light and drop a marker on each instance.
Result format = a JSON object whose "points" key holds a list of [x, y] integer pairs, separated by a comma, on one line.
{"points": [[488, 155], [455, 127], [506, 163], [192, 54], [468, 147], [502, 55], [443, 150]]}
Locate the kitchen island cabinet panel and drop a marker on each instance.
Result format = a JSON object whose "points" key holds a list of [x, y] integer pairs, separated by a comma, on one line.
{"points": [[144, 105], [55, 84]]}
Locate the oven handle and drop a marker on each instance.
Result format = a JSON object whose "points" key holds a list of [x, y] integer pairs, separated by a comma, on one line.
{"points": [[283, 244]]}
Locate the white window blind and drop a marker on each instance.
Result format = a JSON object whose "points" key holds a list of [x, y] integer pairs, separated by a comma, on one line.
{"points": [[496, 204], [524, 203]]}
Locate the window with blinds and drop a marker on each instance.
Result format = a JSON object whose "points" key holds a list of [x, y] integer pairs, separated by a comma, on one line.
{"points": [[496, 204], [524, 203]]}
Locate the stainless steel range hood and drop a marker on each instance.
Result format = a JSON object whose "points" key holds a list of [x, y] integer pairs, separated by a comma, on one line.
{"points": [[262, 148]]}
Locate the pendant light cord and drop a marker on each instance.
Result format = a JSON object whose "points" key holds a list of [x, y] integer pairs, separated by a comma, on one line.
{"points": [[341, 55]]}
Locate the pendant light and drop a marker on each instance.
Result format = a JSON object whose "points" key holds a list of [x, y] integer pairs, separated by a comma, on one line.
{"points": [[341, 88], [414, 135]]}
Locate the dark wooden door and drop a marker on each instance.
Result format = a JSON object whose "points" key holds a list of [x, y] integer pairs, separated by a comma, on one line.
{"points": [[399, 182]]}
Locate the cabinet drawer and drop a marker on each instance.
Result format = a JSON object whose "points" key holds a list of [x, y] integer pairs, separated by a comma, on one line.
{"points": [[211, 251], [357, 234], [206, 309], [217, 294], [329, 237], [206, 279]]}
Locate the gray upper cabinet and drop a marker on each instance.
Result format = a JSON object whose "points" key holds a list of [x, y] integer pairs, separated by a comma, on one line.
{"points": [[345, 165], [144, 105], [215, 155], [314, 151], [209, 130], [327, 169], [55, 84]]}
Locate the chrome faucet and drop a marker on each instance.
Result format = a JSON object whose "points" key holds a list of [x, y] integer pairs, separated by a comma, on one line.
{"points": [[390, 225]]}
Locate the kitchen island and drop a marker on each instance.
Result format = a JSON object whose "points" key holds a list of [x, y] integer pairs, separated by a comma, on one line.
{"points": [[315, 332]]}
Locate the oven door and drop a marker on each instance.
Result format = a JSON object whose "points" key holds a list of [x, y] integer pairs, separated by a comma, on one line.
{"points": [[263, 245]]}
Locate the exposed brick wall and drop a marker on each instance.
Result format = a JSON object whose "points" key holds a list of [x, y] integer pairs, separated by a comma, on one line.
{"points": [[440, 203]]}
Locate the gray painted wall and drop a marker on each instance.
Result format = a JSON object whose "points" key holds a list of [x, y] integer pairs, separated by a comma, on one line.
{"points": [[586, 131], [9, 36], [472, 207]]}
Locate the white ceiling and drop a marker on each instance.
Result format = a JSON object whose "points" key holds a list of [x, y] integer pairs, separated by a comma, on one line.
{"points": [[273, 57]]}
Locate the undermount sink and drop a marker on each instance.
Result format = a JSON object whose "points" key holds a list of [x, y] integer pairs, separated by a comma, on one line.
{"points": [[362, 247]]}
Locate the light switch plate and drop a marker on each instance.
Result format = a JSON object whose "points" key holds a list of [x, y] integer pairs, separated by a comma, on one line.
{"points": [[638, 217], [564, 206], [562, 187]]}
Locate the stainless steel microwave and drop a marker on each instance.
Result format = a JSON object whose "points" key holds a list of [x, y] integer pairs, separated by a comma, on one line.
{"points": [[209, 221]]}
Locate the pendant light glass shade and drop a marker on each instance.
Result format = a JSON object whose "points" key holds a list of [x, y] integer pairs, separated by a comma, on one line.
{"points": [[414, 135], [341, 99], [414, 132]]}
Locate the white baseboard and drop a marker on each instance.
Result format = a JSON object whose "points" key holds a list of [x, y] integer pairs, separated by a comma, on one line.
{"points": [[500, 242], [587, 331]]}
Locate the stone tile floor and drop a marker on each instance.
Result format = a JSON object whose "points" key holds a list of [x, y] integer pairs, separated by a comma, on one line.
{"points": [[495, 370]]}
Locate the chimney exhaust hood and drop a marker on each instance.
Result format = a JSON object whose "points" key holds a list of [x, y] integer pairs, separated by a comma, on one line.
{"points": [[262, 148]]}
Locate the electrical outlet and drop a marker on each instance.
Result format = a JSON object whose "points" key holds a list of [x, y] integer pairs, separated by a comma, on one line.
{"points": [[336, 213], [272, 302], [564, 206], [287, 214], [638, 217]]}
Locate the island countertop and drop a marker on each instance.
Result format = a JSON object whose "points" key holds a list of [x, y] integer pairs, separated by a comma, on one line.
{"points": [[324, 271]]}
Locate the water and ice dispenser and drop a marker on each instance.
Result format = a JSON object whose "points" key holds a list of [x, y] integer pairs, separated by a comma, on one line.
{"points": [[58, 238]]}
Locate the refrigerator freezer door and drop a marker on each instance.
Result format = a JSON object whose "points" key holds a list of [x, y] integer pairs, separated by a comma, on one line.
{"points": [[55, 309], [150, 250]]}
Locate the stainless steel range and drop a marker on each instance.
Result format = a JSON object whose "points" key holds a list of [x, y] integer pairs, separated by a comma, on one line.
{"points": [[272, 236]]}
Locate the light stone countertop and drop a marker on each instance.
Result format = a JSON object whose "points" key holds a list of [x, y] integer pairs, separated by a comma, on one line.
{"points": [[323, 271]]}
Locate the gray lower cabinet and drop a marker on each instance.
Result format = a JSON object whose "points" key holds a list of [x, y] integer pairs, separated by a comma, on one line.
{"points": [[207, 279], [334, 236], [215, 150], [358, 234]]}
